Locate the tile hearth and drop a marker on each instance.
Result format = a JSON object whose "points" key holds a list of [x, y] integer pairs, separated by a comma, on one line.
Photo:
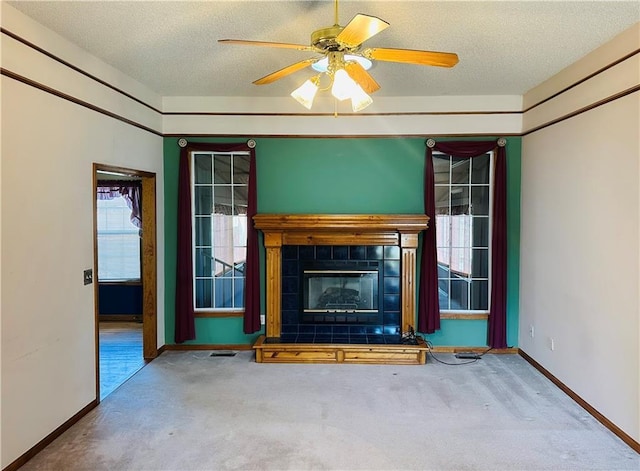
{"points": [[373, 339]]}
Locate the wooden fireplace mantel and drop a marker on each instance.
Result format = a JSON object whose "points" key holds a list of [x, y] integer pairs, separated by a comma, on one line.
{"points": [[339, 229]]}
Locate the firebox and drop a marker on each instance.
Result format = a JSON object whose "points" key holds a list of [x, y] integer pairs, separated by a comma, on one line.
{"points": [[341, 292]]}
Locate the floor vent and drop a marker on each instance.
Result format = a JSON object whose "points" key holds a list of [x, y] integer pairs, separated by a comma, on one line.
{"points": [[223, 353]]}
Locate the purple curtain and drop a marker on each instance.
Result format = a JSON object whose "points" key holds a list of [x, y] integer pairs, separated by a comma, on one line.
{"points": [[184, 321], [129, 190], [429, 305], [428, 299]]}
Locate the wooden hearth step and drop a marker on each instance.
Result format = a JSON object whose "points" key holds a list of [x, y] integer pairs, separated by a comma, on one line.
{"points": [[273, 352]]}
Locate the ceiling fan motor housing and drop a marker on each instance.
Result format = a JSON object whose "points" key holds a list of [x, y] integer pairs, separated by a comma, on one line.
{"points": [[325, 38]]}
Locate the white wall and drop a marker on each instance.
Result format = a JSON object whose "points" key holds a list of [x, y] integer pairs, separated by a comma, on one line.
{"points": [[48, 147], [580, 233], [433, 116]]}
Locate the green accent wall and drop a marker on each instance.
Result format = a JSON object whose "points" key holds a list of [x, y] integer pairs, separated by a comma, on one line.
{"points": [[340, 176]]}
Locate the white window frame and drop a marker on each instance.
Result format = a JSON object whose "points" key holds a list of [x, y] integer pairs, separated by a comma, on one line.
{"points": [[490, 232], [217, 310]]}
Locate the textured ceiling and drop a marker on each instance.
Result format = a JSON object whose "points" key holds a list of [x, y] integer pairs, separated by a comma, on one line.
{"points": [[505, 47]]}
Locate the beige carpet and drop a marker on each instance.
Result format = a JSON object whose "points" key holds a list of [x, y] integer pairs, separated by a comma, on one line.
{"points": [[191, 411]]}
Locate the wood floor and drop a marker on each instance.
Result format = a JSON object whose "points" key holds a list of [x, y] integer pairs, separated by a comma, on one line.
{"points": [[120, 354]]}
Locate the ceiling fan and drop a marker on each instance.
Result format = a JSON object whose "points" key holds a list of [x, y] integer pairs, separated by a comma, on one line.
{"points": [[345, 61]]}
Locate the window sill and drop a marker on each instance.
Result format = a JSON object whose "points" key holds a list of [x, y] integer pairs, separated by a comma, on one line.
{"points": [[120, 282], [214, 314], [468, 316]]}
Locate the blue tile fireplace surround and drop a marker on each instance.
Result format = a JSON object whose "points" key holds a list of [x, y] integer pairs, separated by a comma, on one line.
{"points": [[370, 276]]}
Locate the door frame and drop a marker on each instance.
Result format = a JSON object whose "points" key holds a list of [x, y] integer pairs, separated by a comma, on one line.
{"points": [[148, 268]]}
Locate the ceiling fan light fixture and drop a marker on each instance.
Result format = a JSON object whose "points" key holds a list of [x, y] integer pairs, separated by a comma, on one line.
{"points": [[306, 92], [359, 99], [343, 85], [323, 64]]}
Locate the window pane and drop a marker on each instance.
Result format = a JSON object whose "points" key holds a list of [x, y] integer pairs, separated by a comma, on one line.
{"points": [[443, 293], [203, 262], [223, 292], [241, 169], [222, 165], [459, 200], [460, 231], [223, 230], [459, 295], [480, 169], [240, 233], [460, 170], [238, 292], [203, 231], [222, 199], [224, 260], [240, 265], [480, 263], [118, 241], [202, 168], [442, 194], [441, 169], [202, 197], [480, 200], [461, 261], [480, 231], [204, 294], [480, 295], [240, 199]]}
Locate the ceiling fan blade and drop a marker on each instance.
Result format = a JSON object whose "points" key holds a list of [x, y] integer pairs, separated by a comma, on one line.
{"points": [[410, 56], [299, 47], [362, 77], [359, 29], [284, 72]]}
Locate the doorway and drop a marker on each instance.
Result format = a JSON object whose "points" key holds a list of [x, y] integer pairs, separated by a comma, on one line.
{"points": [[125, 341]]}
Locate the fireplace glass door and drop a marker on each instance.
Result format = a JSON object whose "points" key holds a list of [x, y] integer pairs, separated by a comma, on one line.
{"points": [[340, 291]]}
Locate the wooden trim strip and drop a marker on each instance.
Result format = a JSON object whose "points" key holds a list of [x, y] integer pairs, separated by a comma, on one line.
{"points": [[346, 136], [76, 68], [472, 317], [126, 171], [137, 318], [75, 100], [479, 350], [213, 314], [584, 109], [42, 444], [121, 283], [233, 346], [584, 404], [342, 115], [149, 268], [584, 79]]}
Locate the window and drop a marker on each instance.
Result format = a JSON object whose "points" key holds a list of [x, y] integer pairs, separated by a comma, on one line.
{"points": [[118, 242], [220, 192], [463, 225]]}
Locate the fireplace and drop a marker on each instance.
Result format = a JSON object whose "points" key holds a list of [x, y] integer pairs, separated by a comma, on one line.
{"points": [[338, 284], [334, 292], [337, 292]]}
